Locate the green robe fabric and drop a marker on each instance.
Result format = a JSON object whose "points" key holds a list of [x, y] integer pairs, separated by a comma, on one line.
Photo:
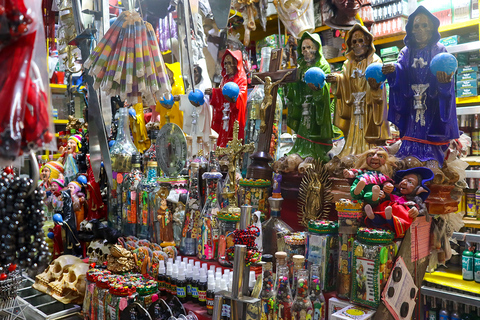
{"points": [[317, 126]]}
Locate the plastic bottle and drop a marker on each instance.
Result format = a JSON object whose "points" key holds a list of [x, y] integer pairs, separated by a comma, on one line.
{"points": [[455, 315], [173, 284], [202, 289], [467, 265], [226, 302], [195, 278], [476, 266], [189, 279], [443, 313], [181, 286], [168, 278], [210, 295], [433, 312], [251, 281], [161, 277]]}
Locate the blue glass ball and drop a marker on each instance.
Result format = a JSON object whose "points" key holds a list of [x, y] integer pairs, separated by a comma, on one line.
{"points": [[50, 235], [315, 76], [167, 100], [57, 218], [196, 97], [132, 112], [231, 90], [375, 71], [82, 179], [111, 143], [445, 62]]}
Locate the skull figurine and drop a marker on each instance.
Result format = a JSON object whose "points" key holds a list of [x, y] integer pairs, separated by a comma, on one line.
{"points": [[71, 288], [54, 272], [98, 251]]}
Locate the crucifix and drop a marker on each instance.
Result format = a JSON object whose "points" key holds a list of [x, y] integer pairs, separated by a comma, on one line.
{"points": [[259, 168], [234, 150]]}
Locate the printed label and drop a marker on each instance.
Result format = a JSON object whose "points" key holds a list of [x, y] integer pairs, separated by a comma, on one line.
{"points": [[195, 292], [226, 310], [210, 303], [444, 317], [477, 269], [181, 292], [189, 289], [202, 295]]}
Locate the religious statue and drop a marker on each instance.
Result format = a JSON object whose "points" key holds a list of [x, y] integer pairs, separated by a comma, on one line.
{"points": [[422, 105], [96, 208], [310, 116], [361, 107], [268, 99], [226, 112], [72, 243], [297, 16], [343, 13], [173, 113], [69, 157], [399, 209], [166, 224]]}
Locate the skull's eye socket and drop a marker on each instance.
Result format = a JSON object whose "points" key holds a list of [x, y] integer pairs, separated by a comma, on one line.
{"points": [[90, 250]]}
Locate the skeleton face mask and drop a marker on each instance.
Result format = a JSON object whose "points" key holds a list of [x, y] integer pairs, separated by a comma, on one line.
{"points": [[422, 30], [229, 65], [309, 50], [360, 44]]}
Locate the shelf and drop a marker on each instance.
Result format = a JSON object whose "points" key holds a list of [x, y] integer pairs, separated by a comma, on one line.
{"points": [[468, 110], [471, 222], [464, 47], [449, 295], [390, 38], [321, 28], [460, 25], [469, 237], [58, 88], [337, 59], [452, 278], [472, 160], [57, 121], [468, 100]]}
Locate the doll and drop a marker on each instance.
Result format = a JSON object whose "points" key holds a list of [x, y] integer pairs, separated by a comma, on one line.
{"points": [[400, 208], [69, 157], [54, 201], [78, 199], [372, 173], [166, 226], [51, 170]]}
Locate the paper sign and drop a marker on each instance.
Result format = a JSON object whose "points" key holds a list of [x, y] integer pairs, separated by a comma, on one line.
{"points": [[420, 248]]}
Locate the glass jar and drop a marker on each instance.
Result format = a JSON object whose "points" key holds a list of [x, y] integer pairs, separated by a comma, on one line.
{"points": [[209, 229], [101, 290], [90, 280], [350, 215], [119, 296], [268, 292], [130, 197], [188, 244], [145, 212], [146, 290], [123, 149], [294, 245], [255, 193], [228, 223], [283, 295], [373, 257], [151, 153], [302, 306], [322, 250]]}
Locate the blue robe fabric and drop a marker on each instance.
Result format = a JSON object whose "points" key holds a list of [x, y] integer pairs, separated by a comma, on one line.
{"points": [[440, 116]]}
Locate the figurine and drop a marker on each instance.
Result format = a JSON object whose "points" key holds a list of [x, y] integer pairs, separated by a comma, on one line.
{"points": [[166, 224], [54, 201], [69, 157], [372, 173], [178, 220], [78, 200], [268, 99], [361, 109], [400, 208], [257, 222], [96, 208], [173, 113], [225, 111], [277, 181], [51, 170], [72, 244], [421, 105], [312, 122], [297, 16], [343, 13]]}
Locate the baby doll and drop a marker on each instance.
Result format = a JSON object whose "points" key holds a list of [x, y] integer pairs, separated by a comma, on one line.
{"points": [[372, 173], [54, 201], [402, 207]]}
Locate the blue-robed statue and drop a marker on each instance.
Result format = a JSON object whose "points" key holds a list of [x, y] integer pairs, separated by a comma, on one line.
{"points": [[422, 105]]}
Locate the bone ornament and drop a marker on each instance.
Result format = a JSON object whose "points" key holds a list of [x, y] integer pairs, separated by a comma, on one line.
{"points": [[120, 260], [98, 251]]}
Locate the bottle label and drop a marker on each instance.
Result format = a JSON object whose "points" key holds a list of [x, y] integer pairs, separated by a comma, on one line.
{"points": [[210, 303], [195, 292], [189, 289], [181, 292], [454, 317], [467, 267], [443, 317], [202, 295], [471, 207], [226, 310], [173, 289], [432, 315], [161, 285], [477, 269]]}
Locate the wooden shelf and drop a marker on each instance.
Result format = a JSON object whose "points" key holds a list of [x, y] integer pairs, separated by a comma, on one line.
{"points": [[471, 223], [337, 59], [468, 100], [452, 278]]}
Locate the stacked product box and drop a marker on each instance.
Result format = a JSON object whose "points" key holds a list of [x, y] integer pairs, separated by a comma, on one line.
{"points": [[466, 83]]}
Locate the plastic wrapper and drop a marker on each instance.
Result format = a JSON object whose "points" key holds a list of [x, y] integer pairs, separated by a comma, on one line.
{"points": [[297, 17], [24, 121]]}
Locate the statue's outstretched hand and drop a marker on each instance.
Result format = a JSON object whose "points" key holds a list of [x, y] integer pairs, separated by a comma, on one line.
{"points": [[388, 68], [443, 77], [331, 78], [374, 84]]}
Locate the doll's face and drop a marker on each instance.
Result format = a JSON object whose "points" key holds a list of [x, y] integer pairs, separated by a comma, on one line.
{"points": [[376, 159], [422, 30], [71, 187], [229, 65], [71, 146], [309, 50], [54, 187], [45, 174], [408, 184], [360, 44]]}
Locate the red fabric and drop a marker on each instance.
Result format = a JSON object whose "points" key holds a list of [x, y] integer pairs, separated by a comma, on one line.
{"points": [[237, 109], [57, 241], [96, 209], [401, 220]]}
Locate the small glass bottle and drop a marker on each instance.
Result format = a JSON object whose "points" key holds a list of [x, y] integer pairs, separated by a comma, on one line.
{"points": [[145, 210], [130, 196], [188, 244], [228, 223], [213, 164], [207, 242], [298, 263], [317, 298], [283, 296], [123, 149], [302, 305], [151, 153], [467, 265], [281, 259], [268, 292], [433, 312], [443, 313]]}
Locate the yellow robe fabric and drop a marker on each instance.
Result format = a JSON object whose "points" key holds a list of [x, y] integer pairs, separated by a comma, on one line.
{"points": [[176, 116]]}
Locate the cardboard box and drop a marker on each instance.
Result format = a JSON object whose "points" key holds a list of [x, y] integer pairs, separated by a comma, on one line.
{"points": [[467, 69], [353, 312], [468, 92], [461, 10], [449, 41], [466, 84], [467, 76], [389, 51], [335, 305]]}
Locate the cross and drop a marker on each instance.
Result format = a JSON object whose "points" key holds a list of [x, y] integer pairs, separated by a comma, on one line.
{"points": [[234, 150], [259, 168]]}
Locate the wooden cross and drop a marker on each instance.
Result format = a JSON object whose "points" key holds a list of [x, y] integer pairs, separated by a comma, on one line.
{"points": [[234, 150], [259, 169]]}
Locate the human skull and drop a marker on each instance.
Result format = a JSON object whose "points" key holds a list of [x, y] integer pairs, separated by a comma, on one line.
{"points": [[309, 51], [86, 226], [54, 272], [360, 44], [71, 287], [422, 30], [98, 251]]}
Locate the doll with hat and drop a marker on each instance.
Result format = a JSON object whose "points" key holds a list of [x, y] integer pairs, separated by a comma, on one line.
{"points": [[51, 170], [54, 201], [78, 200], [69, 157], [399, 209]]}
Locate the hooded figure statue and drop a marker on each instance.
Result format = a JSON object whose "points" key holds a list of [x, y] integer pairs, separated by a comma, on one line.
{"points": [[309, 110], [361, 110], [232, 71], [174, 114], [422, 105]]}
